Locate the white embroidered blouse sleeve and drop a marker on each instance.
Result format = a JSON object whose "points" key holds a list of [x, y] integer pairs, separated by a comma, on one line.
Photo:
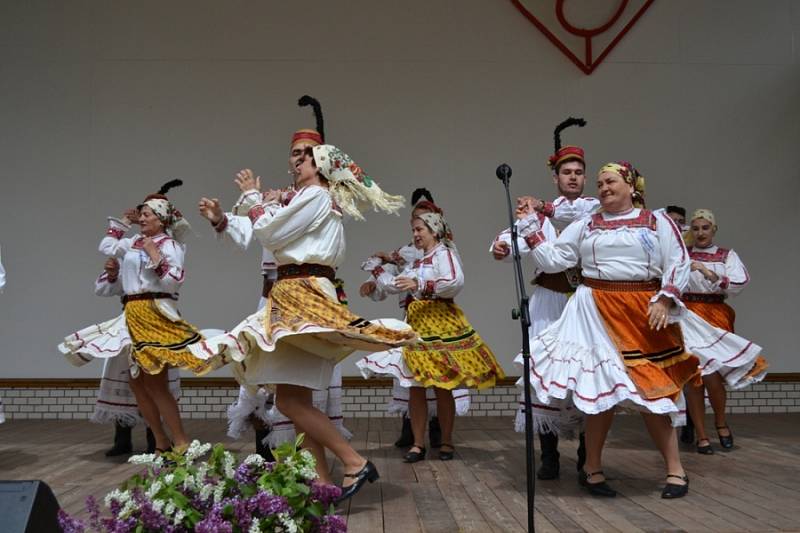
{"points": [[247, 200], [380, 293], [553, 256], [736, 276], [275, 227], [449, 276], [675, 263], [562, 212], [236, 229], [114, 244], [170, 268], [104, 287], [505, 236], [384, 277]]}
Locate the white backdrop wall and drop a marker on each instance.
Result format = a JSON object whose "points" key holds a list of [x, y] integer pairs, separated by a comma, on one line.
{"points": [[100, 102]]}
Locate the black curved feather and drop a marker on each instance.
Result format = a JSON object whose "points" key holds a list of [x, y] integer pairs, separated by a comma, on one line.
{"points": [[171, 184], [420, 193], [564, 125], [307, 100]]}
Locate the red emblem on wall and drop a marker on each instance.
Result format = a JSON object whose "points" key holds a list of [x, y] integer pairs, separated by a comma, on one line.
{"points": [[586, 47]]}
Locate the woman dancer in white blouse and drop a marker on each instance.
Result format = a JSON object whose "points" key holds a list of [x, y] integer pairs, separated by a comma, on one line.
{"points": [[255, 406], [618, 341], [295, 341], [717, 274], [394, 263], [451, 353], [151, 331]]}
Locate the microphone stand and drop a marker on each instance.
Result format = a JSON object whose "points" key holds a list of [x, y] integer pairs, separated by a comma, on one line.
{"points": [[522, 314]]}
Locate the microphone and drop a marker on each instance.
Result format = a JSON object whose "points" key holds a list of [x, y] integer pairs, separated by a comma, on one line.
{"points": [[503, 172]]}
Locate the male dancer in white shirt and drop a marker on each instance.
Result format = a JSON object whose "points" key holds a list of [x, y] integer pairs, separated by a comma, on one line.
{"points": [[551, 291]]}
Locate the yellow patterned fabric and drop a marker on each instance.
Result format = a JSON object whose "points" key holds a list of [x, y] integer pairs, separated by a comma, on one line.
{"points": [[299, 306], [451, 353], [158, 342]]}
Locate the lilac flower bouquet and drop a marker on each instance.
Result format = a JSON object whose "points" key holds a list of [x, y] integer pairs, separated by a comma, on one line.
{"points": [[181, 493]]}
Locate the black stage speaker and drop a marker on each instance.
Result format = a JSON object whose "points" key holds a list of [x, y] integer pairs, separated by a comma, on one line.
{"points": [[27, 507]]}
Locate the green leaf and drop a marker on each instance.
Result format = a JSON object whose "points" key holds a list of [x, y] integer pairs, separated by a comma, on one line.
{"points": [[315, 509]]}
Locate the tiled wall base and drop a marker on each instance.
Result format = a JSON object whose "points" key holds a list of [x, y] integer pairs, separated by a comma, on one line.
{"points": [[358, 402]]}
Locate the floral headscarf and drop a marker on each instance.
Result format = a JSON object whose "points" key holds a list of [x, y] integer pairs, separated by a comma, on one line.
{"points": [[627, 172], [352, 189], [706, 214], [439, 227], [174, 224]]}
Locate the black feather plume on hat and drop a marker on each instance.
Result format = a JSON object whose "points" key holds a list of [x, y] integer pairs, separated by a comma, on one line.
{"points": [[307, 100], [419, 194], [171, 184], [564, 125]]}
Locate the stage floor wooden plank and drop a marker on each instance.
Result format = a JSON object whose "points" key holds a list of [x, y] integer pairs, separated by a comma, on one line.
{"points": [[755, 487]]}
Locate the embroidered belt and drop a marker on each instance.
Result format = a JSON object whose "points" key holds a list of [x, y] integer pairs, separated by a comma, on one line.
{"points": [[623, 286], [266, 287], [708, 298], [554, 282], [306, 270], [147, 296]]}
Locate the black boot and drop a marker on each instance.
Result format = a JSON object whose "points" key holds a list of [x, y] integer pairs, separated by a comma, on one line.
{"points": [[122, 441], [687, 431], [581, 451], [406, 435], [151, 440], [550, 456], [435, 432], [261, 448]]}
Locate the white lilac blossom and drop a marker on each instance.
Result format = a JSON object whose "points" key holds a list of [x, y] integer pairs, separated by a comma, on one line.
{"points": [[289, 525], [149, 459], [153, 490], [219, 492], [127, 509], [254, 459], [307, 468], [227, 463], [206, 491], [158, 505], [117, 495], [179, 516], [195, 450]]}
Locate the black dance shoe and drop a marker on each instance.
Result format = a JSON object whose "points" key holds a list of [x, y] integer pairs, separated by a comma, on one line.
{"points": [[368, 473], [435, 433], [549, 469], [406, 435], [596, 489], [672, 491], [447, 455], [415, 457], [123, 444], [726, 441], [550, 466], [687, 431], [581, 451], [261, 448], [705, 450]]}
